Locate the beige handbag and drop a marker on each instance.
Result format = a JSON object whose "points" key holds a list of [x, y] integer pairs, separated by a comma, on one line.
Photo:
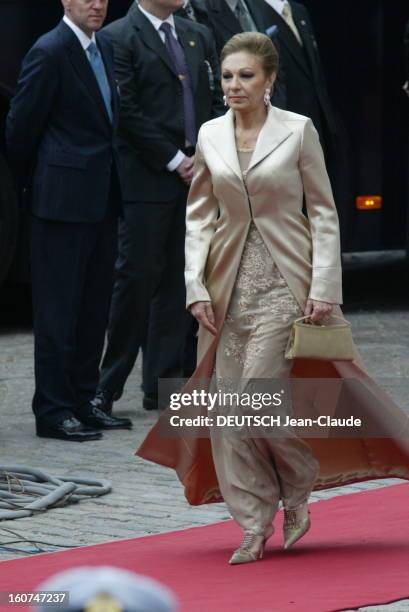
{"points": [[318, 341]]}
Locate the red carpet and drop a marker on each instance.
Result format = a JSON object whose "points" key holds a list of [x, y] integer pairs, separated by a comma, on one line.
{"points": [[356, 554]]}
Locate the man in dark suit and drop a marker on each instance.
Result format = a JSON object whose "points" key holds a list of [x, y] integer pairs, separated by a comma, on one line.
{"points": [[303, 87], [302, 77], [168, 74], [60, 137]]}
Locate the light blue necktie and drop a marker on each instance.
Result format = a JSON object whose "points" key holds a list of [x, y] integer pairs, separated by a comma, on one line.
{"points": [[98, 67]]}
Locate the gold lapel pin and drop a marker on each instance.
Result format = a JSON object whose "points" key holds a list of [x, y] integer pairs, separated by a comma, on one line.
{"points": [[192, 43]]}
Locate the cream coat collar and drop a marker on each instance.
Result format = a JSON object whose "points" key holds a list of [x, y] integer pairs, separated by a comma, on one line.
{"points": [[273, 133]]}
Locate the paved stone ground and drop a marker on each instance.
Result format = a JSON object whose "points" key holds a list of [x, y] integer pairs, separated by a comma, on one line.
{"points": [[147, 498]]}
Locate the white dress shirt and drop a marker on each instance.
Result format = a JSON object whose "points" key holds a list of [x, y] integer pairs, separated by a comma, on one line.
{"points": [[84, 39], [156, 22]]}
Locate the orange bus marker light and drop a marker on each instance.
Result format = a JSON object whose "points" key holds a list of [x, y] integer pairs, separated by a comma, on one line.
{"points": [[368, 202]]}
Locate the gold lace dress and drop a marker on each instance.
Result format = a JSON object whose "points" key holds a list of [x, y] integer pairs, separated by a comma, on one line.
{"points": [[261, 309], [254, 473]]}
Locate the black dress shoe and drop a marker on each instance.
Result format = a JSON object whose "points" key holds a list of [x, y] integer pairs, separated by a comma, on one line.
{"points": [[103, 401], [94, 417], [150, 401], [68, 429]]}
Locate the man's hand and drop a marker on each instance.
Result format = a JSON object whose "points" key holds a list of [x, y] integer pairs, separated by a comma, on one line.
{"points": [[317, 311], [185, 169], [203, 313]]}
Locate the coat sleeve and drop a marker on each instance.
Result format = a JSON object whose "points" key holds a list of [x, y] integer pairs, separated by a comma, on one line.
{"points": [[326, 282], [29, 110], [201, 216]]}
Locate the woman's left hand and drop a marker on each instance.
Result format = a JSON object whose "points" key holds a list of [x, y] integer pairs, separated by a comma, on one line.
{"points": [[317, 311]]}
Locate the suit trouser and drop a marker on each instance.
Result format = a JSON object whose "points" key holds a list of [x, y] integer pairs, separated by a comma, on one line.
{"points": [[148, 305], [72, 280]]}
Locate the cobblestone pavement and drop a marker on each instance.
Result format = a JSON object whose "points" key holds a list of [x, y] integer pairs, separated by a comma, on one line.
{"points": [[147, 498]]}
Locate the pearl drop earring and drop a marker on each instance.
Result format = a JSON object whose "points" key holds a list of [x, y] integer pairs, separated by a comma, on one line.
{"points": [[267, 94]]}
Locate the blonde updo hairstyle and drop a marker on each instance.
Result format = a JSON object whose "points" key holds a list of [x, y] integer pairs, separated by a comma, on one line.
{"points": [[257, 44]]}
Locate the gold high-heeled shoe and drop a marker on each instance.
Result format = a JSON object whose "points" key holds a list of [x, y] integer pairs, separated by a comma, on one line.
{"points": [[296, 524], [244, 554]]}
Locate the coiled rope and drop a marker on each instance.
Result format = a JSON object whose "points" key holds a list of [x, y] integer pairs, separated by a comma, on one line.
{"points": [[26, 491]]}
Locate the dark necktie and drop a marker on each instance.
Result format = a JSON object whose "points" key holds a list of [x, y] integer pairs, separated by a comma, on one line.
{"points": [[178, 58], [98, 67]]}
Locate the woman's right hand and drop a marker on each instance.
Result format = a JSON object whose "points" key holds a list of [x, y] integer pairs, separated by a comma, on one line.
{"points": [[203, 313]]}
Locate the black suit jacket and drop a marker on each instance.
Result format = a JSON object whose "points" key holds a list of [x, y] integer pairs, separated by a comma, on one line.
{"points": [[151, 129], [59, 135]]}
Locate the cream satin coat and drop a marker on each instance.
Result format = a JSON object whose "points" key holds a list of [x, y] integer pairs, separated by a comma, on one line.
{"points": [[287, 165]]}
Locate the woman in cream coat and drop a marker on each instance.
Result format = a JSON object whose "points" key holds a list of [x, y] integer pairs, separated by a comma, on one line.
{"points": [[254, 263]]}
